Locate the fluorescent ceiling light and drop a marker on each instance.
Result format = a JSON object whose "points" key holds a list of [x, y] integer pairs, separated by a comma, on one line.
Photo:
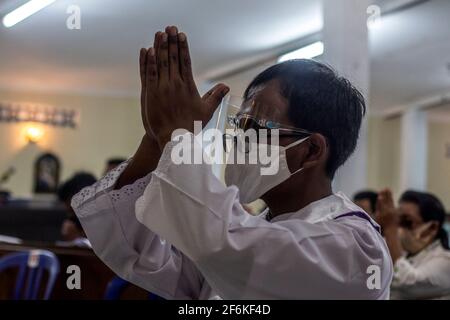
{"points": [[311, 51], [24, 11]]}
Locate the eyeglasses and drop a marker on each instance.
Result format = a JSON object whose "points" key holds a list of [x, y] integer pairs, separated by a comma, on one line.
{"points": [[245, 122]]}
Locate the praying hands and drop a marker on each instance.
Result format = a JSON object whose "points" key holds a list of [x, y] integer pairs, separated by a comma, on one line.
{"points": [[169, 98]]}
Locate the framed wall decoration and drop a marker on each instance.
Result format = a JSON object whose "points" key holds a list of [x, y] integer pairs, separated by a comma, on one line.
{"points": [[46, 173]]}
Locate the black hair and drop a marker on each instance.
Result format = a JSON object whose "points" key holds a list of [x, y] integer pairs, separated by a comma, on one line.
{"points": [[71, 187], [370, 195], [115, 161], [430, 209], [74, 185], [320, 101]]}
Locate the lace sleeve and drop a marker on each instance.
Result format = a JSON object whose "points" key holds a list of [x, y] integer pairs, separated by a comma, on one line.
{"points": [[105, 185]]}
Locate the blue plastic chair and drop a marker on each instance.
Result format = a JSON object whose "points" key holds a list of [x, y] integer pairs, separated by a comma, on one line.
{"points": [[116, 287], [31, 265]]}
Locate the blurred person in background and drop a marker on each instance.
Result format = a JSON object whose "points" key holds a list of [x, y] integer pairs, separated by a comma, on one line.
{"points": [[71, 230], [418, 244], [113, 163], [367, 200]]}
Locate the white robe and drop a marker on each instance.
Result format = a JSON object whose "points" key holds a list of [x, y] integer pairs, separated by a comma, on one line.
{"points": [[423, 276], [181, 234]]}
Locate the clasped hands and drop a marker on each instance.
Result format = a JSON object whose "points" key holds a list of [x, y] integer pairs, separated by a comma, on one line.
{"points": [[169, 97], [387, 215]]}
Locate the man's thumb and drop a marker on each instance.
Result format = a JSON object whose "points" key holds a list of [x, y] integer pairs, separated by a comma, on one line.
{"points": [[214, 96]]}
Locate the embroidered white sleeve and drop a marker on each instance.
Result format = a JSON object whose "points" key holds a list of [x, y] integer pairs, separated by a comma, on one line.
{"points": [[128, 247], [105, 185]]}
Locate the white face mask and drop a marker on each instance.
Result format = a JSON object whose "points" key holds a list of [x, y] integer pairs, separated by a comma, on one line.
{"points": [[414, 241], [247, 177]]}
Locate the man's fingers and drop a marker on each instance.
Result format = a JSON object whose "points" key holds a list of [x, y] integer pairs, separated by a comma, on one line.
{"points": [[185, 59], [380, 204], [152, 70], [174, 67], [214, 96], [143, 65], [163, 59], [156, 42], [143, 72], [389, 198], [381, 201]]}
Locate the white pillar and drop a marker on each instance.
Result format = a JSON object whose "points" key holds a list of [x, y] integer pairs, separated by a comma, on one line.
{"points": [[345, 38], [414, 144]]}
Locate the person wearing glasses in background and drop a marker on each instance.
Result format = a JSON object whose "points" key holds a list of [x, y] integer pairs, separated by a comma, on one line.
{"points": [[178, 231], [418, 244]]}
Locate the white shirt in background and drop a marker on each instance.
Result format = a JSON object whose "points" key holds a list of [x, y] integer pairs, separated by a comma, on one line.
{"points": [[423, 276], [181, 234]]}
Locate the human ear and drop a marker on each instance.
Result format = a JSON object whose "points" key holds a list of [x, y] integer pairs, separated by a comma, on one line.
{"points": [[317, 151]]}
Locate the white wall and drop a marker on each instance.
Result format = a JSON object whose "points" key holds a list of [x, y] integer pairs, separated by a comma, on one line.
{"points": [[385, 157], [383, 161], [438, 161], [109, 127]]}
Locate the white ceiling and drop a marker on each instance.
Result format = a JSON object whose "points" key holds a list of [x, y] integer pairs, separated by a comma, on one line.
{"points": [[410, 50], [410, 55]]}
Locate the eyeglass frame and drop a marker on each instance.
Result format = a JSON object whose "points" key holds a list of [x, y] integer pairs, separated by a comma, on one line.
{"points": [[233, 120]]}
